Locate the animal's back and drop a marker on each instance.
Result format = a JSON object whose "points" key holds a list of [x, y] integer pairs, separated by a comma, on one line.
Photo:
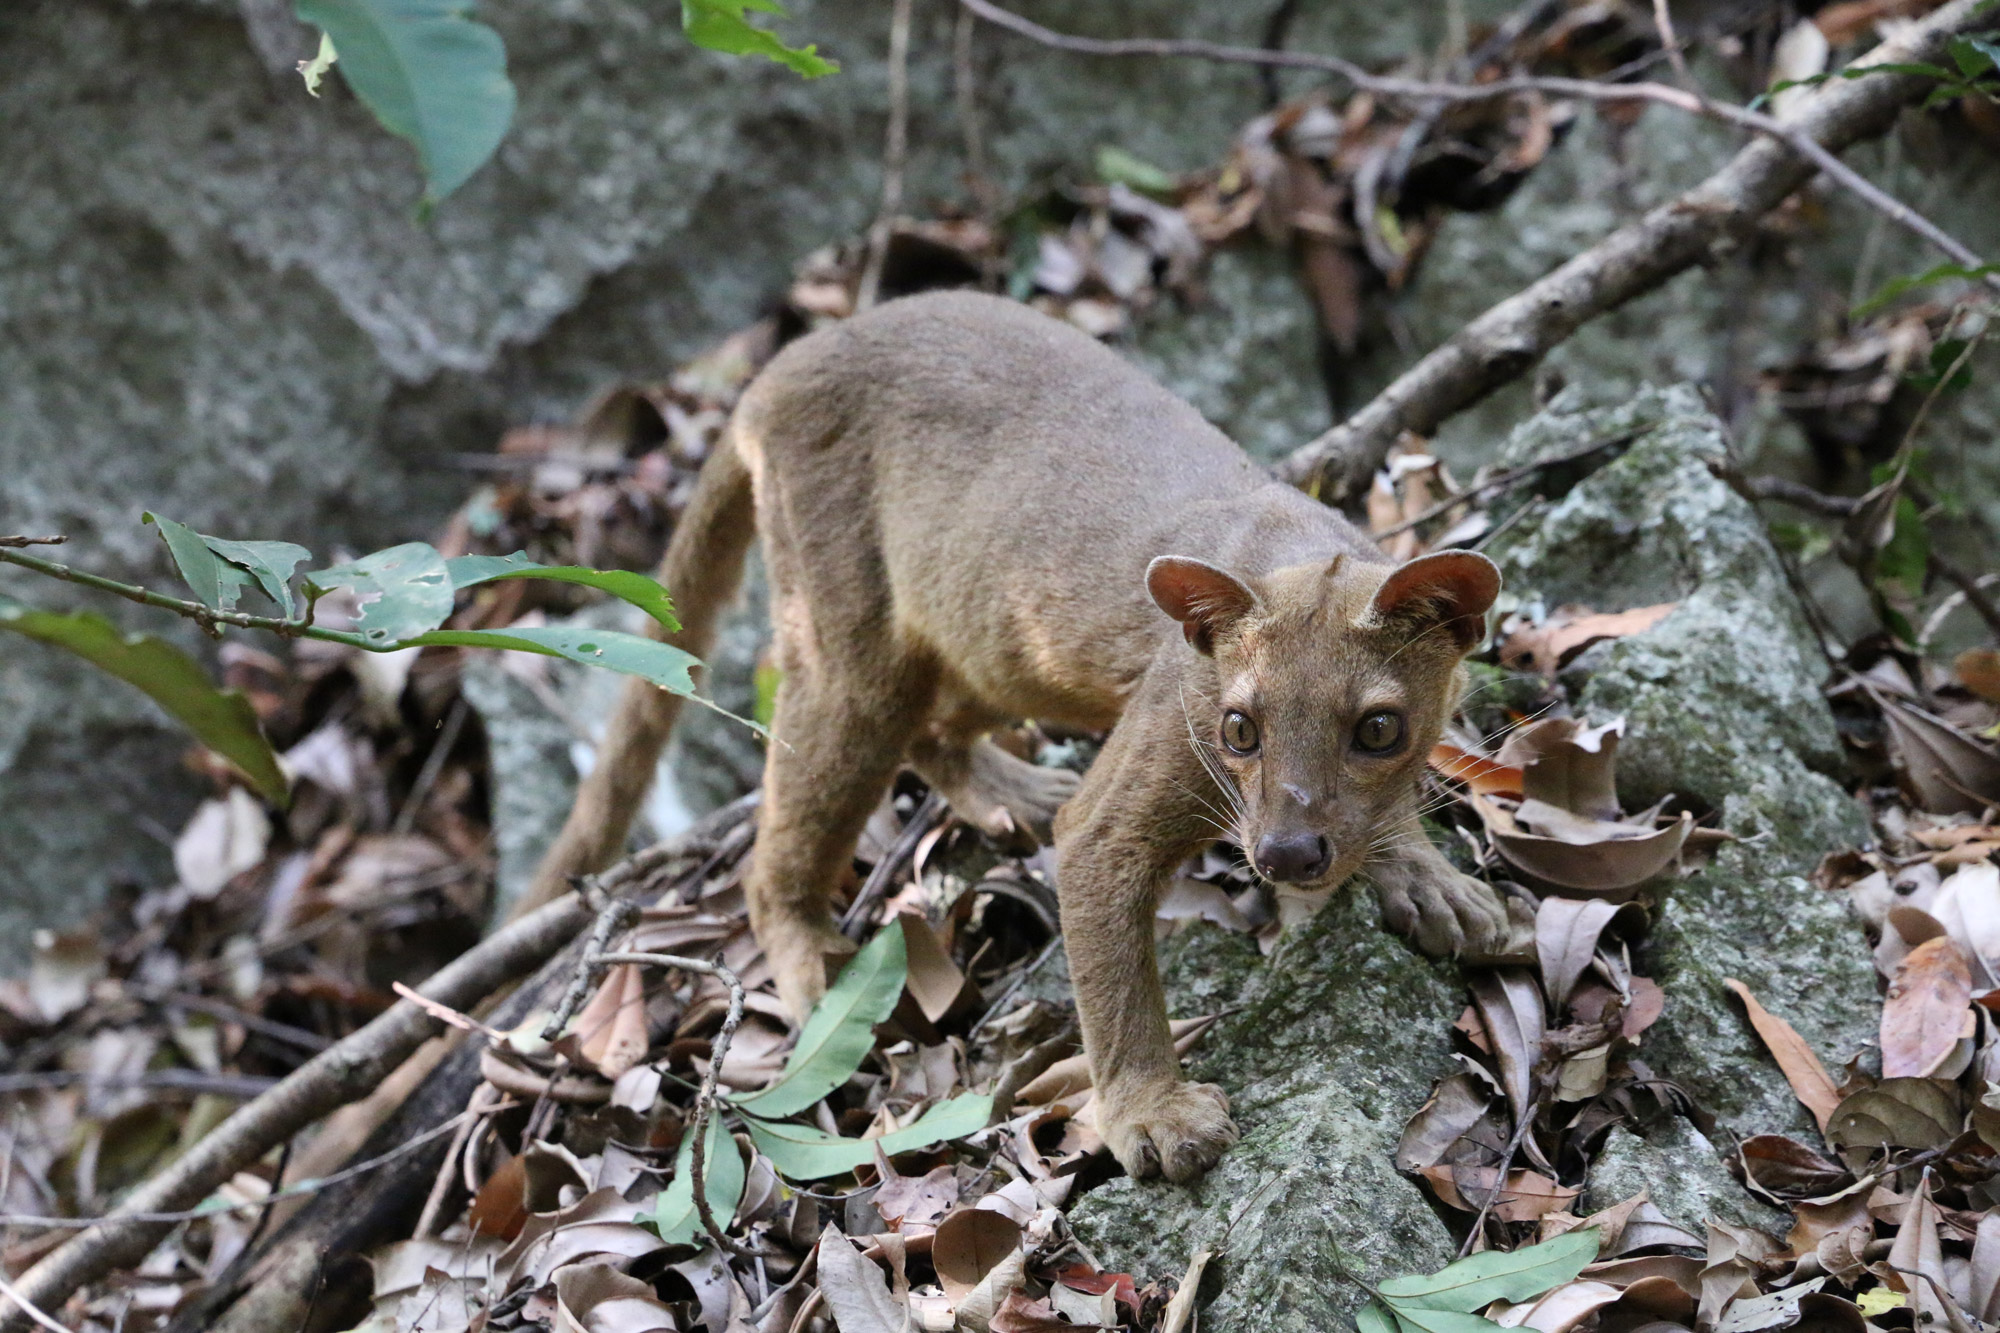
{"points": [[1016, 476]]}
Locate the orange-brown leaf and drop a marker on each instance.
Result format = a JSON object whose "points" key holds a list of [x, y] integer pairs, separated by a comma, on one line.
{"points": [[1928, 1009], [1810, 1082]]}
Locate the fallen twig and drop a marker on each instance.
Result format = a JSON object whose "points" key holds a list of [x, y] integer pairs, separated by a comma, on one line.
{"points": [[32, 541], [28, 1307], [328, 1081], [1507, 477], [704, 1100]]}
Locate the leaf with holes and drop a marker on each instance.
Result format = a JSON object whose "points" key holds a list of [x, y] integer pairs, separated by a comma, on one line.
{"points": [[220, 719], [634, 655], [840, 1031], [468, 571], [404, 592], [430, 74], [217, 570]]}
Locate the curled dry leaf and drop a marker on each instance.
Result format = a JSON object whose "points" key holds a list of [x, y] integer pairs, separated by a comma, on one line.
{"points": [[1510, 1007], [1562, 1309], [970, 1244], [1783, 1169], [1948, 770], [1566, 934], [1455, 1106], [1485, 777], [1983, 1276], [1916, 1260], [1527, 1195], [1802, 1069], [597, 1298], [1927, 1012], [611, 1031]]}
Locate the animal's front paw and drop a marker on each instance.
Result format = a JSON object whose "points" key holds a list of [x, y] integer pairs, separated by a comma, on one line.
{"points": [[1443, 911], [1176, 1129]]}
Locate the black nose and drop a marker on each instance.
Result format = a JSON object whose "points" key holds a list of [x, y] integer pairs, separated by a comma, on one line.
{"points": [[1290, 858]]}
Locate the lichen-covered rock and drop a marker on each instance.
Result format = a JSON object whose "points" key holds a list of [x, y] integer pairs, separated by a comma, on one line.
{"points": [[1681, 1172], [1333, 1045], [1723, 710], [1338, 1039]]}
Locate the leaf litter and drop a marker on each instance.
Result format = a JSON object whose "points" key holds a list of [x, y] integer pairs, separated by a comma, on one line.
{"points": [[906, 1161]]}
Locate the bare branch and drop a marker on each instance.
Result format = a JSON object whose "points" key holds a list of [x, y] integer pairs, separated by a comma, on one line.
{"points": [[32, 541], [1508, 339]]}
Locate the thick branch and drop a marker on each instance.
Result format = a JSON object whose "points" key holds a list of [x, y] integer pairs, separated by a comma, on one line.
{"points": [[1508, 339]]}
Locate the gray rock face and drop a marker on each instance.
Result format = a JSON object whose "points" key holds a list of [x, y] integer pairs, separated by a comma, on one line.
{"points": [[1341, 1035], [1337, 1043], [1722, 709], [216, 299]]}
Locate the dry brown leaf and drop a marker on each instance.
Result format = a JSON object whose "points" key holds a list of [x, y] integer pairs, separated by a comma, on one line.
{"points": [[1948, 771], [1915, 1113], [934, 981], [597, 1298], [1527, 1196], [1568, 765], [611, 1031], [855, 1288], [1510, 1007], [1978, 669], [1020, 1313], [1457, 1104], [1983, 1279], [1180, 1310], [1916, 1260], [1927, 1012], [970, 1244], [1783, 1169], [1810, 1082], [1568, 630], [1560, 1310], [1566, 933], [501, 1206], [1483, 775]]}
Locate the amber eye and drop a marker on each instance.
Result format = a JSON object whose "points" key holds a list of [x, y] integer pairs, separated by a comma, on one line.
{"points": [[1379, 733], [1239, 733]]}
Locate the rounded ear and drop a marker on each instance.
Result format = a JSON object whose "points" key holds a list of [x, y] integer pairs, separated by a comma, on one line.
{"points": [[1452, 588], [1205, 600]]}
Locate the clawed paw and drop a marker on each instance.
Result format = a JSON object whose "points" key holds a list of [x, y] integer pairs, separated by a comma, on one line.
{"points": [[1178, 1131], [1444, 913]]}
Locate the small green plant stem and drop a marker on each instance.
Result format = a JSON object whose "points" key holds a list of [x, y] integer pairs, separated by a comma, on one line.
{"points": [[207, 617]]}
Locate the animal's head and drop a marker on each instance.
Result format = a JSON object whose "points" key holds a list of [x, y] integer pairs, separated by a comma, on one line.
{"points": [[1334, 682]]}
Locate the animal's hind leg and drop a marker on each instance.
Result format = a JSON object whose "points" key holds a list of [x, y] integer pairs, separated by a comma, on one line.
{"points": [[839, 735], [990, 789]]}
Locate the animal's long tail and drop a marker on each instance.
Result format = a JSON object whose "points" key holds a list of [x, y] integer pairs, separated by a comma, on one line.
{"points": [[703, 564]]}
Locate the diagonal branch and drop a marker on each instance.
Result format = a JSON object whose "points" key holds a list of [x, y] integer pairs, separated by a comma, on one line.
{"points": [[1508, 339]]}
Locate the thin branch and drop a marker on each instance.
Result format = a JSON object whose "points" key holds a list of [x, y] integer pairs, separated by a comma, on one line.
{"points": [[303, 1187], [241, 1087], [922, 821], [1785, 491], [34, 1312], [895, 152], [1502, 344], [205, 616], [1507, 477], [1974, 591], [1671, 44], [704, 1100], [32, 541], [229, 1013], [1786, 132]]}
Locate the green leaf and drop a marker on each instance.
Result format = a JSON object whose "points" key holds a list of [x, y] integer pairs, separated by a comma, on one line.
{"points": [[203, 573], [314, 70], [269, 563], [803, 1152], [217, 570], [663, 664], [430, 74], [1419, 1319], [471, 570], [1374, 1317], [1967, 55], [220, 719], [1906, 557], [1498, 1275], [840, 1031], [1115, 166], [1895, 287], [404, 591], [766, 680], [719, 25], [722, 1180]]}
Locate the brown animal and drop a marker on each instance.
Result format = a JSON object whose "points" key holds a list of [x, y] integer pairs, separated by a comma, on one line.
{"points": [[974, 514]]}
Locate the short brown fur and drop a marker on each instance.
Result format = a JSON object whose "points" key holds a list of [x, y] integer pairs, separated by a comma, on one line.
{"points": [[964, 506]]}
